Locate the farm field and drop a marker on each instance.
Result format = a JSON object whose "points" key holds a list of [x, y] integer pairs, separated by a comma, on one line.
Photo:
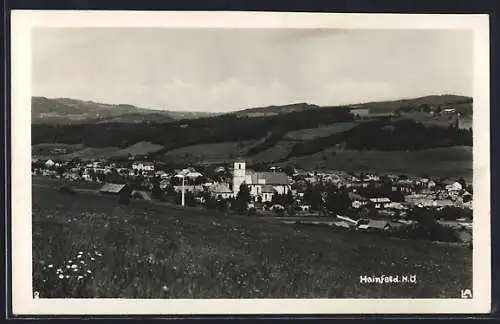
{"points": [[323, 131], [278, 152], [87, 153], [149, 251], [447, 162], [209, 153]]}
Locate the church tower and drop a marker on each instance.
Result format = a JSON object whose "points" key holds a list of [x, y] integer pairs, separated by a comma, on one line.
{"points": [[238, 175]]}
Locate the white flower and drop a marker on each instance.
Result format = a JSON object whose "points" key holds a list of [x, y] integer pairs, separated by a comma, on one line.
{"points": [[80, 277], [58, 270], [75, 270], [88, 271], [67, 276], [93, 259], [50, 265], [165, 288], [80, 252], [82, 262], [69, 261], [68, 266], [74, 266], [61, 276], [79, 256]]}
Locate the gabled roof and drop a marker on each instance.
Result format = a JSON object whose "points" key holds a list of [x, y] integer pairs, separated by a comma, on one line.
{"points": [[273, 178], [378, 224], [112, 187], [380, 200]]}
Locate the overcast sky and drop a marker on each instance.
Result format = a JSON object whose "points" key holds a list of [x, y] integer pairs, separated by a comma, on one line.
{"points": [[223, 70]]}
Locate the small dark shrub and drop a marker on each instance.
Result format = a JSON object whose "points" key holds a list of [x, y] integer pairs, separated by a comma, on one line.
{"points": [[67, 190]]}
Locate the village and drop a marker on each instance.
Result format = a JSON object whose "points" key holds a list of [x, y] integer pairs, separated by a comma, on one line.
{"points": [[365, 202]]}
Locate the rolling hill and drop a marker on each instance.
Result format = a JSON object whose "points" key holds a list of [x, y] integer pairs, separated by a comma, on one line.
{"points": [[304, 134], [73, 111]]}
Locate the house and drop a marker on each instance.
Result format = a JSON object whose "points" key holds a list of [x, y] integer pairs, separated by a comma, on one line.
{"points": [[420, 200], [220, 169], [259, 183], [221, 190], [305, 208], [113, 188], [189, 175], [143, 166], [358, 201], [454, 187], [50, 163], [382, 202], [378, 225], [396, 205]]}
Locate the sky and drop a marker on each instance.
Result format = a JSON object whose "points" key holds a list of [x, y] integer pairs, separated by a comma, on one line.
{"points": [[220, 70]]}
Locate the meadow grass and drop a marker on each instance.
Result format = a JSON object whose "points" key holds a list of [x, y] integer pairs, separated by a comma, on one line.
{"points": [[150, 251]]}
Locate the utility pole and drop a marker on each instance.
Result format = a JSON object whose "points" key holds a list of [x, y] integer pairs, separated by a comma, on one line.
{"points": [[183, 194]]}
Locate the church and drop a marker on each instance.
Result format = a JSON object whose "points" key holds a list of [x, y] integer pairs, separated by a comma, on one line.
{"points": [[261, 184]]}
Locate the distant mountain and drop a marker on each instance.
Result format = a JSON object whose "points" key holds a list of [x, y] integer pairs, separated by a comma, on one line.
{"points": [[275, 110], [73, 111], [433, 102]]}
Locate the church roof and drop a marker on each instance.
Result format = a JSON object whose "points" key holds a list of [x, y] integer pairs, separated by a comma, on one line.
{"points": [[273, 178]]}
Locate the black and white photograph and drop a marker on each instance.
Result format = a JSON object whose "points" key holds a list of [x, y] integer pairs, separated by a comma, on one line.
{"points": [[203, 161]]}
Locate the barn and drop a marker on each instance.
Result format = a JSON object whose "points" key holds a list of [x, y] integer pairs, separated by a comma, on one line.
{"points": [[113, 188]]}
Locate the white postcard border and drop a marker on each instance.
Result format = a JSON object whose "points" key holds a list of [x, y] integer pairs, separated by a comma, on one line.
{"points": [[22, 299]]}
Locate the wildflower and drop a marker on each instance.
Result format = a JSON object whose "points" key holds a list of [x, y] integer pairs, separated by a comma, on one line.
{"points": [[80, 277], [88, 271], [82, 262], [58, 270], [165, 288], [69, 261], [67, 276], [75, 270], [50, 265], [61, 276], [80, 252], [68, 266], [79, 256], [93, 259]]}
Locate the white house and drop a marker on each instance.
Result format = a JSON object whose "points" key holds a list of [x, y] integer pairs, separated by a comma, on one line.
{"points": [[454, 187], [383, 202], [143, 166], [261, 184], [50, 163], [358, 201]]}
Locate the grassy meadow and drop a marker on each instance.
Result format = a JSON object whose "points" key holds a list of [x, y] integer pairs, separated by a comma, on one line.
{"points": [[85, 245]]}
